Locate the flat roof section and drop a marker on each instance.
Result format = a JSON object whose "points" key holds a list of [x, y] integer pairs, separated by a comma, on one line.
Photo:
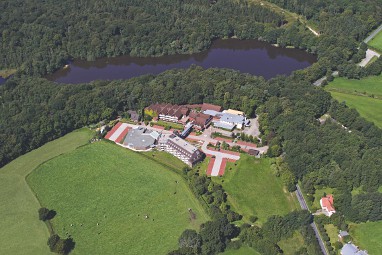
{"points": [[232, 118], [212, 113], [138, 138], [224, 125]]}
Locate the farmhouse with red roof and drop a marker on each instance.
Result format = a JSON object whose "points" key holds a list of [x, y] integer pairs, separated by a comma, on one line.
{"points": [[327, 205]]}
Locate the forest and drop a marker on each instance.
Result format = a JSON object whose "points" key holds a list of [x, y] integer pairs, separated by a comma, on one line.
{"points": [[37, 41]]}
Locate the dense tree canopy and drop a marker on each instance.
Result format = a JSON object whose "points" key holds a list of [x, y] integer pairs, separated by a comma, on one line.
{"points": [[38, 37]]}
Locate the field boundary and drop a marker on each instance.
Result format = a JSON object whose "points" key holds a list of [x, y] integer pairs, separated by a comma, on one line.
{"points": [[25, 203]]}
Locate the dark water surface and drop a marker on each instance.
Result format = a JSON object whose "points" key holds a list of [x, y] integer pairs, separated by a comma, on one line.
{"points": [[249, 56], [2, 80]]}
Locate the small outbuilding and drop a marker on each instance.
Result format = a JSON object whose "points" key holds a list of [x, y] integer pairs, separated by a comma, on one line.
{"points": [[134, 116], [342, 235], [254, 152]]}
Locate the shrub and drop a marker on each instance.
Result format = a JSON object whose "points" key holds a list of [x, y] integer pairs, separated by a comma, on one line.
{"points": [[43, 213], [253, 218]]}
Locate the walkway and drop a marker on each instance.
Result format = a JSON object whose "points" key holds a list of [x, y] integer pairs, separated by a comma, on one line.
{"points": [[220, 159]]}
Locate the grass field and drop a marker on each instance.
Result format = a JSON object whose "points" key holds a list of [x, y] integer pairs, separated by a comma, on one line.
{"points": [[369, 108], [376, 42], [368, 86], [116, 188], [165, 158], [21, 231], [368, 236], [364, 95], [242, 251], [332, 232], [293, 244], [253, 189]]}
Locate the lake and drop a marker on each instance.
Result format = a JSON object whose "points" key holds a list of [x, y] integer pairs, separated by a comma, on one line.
{"points": [[2, 80], [247, 56]]}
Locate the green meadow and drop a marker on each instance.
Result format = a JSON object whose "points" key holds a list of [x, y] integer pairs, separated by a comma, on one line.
{"points": [[244, 250], [376, 42], [367, 236], [253, 189], [364, 95], [21, 231], [115, 201]]}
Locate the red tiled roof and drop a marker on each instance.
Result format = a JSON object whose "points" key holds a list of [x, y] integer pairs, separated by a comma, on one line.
{"points": [[212, 107], [328, 202]]}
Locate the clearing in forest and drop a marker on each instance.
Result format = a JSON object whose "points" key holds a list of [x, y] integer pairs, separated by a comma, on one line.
{"points": [[112, 200], [21, 230], [254, 189], [365, 95]]}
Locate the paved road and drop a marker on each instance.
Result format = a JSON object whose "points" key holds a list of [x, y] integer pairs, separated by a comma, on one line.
{"points": [[304, 206], [374, 33], [301, 199]]}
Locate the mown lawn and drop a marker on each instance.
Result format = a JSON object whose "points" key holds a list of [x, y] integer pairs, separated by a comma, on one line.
{"points": [[21, 231], [332, 232], [245, 250], [376, 42], [364, 95], [116, 188], [253, 189], [367, 236], [371, 85]]}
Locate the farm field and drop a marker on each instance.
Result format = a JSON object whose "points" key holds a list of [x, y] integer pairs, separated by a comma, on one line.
{"points": [[367, 236], [110, 194], [21, 230], [376, 42], [253, 189], [358, 94]]}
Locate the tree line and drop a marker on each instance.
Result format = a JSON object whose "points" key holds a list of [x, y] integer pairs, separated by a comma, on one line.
{"points": [[38, 40]]}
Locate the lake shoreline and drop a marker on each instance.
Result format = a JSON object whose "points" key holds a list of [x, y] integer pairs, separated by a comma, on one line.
{"points": [[247, 56]]}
